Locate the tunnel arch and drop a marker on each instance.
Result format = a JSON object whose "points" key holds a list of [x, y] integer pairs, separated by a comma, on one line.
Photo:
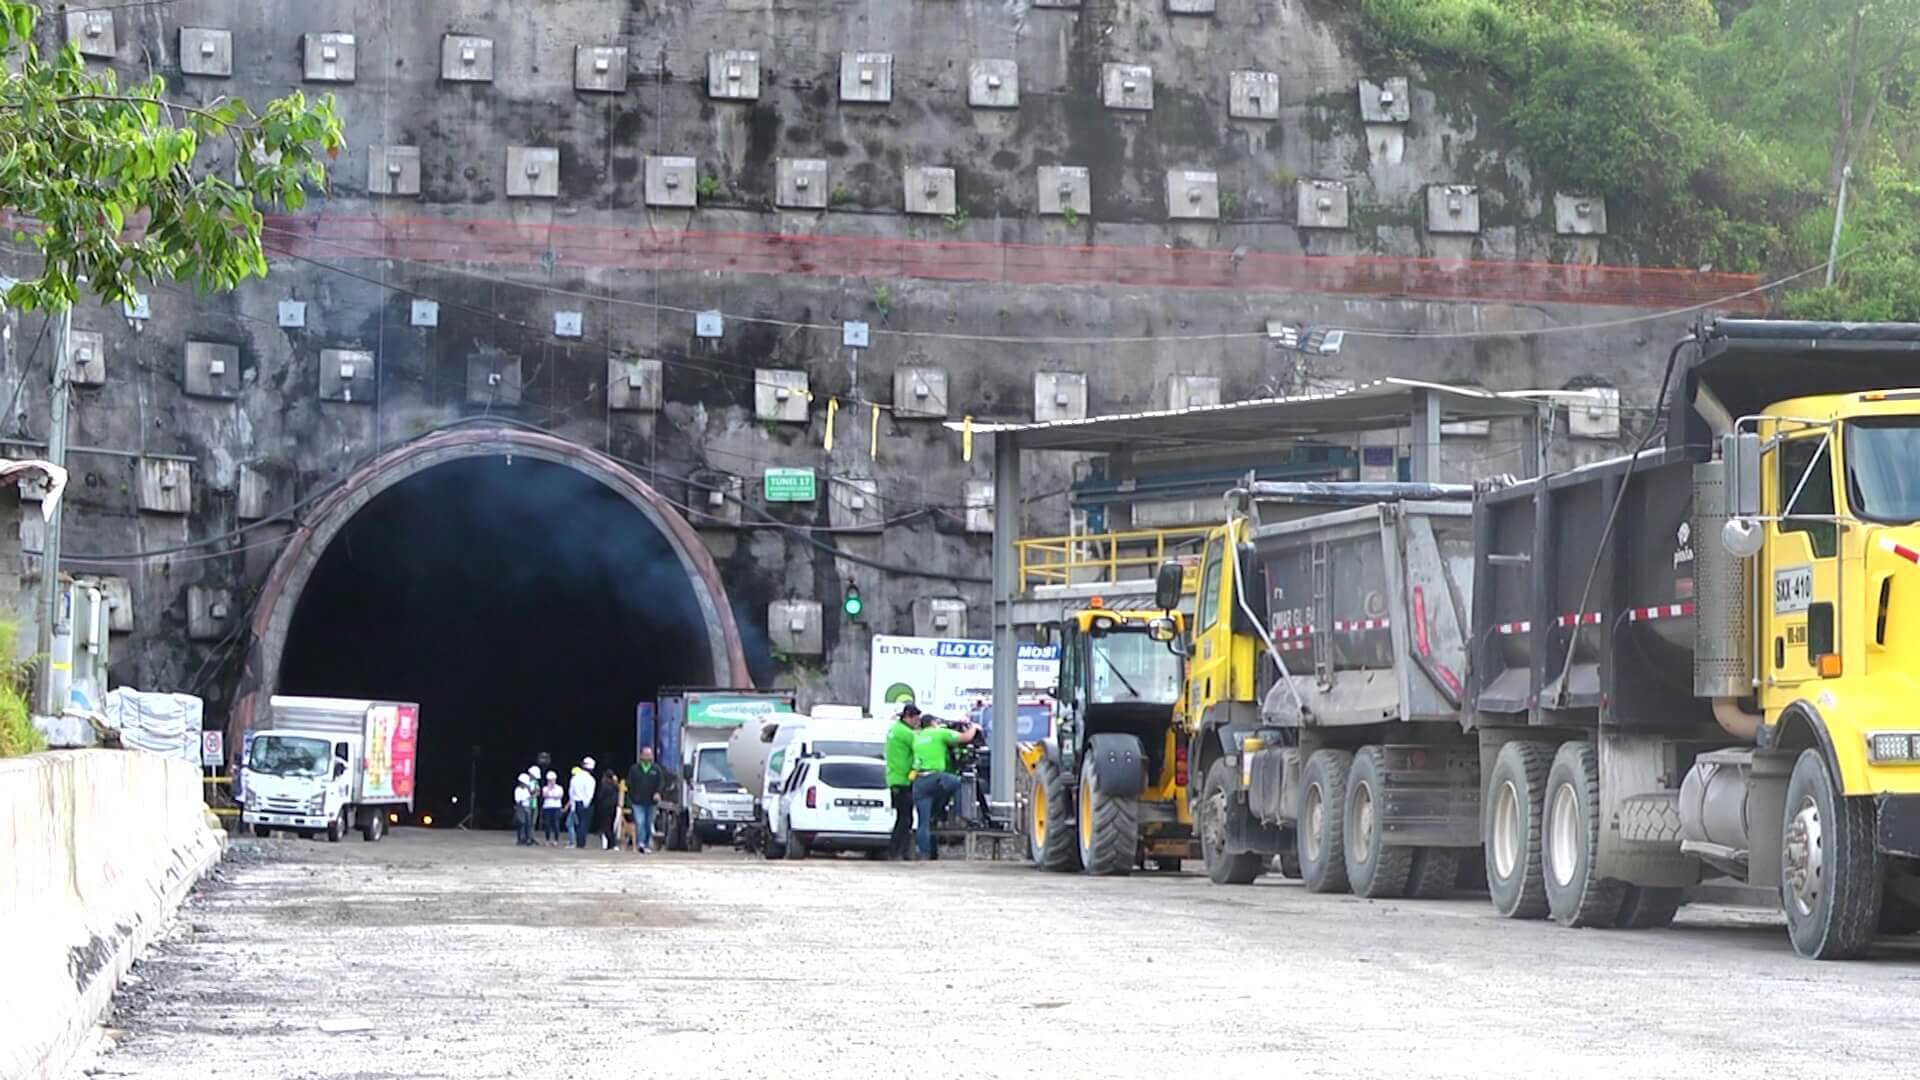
{"points": [[273, 614]]}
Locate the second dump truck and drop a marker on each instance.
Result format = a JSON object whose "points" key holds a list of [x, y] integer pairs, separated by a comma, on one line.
{"points": [[1606, 685]]}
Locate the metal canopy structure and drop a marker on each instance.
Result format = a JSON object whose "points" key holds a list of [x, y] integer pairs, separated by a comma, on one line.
{"points": [[1380, 405]]}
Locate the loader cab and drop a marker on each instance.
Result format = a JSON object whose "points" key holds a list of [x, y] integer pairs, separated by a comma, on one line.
{"points": [[1120, 671]]}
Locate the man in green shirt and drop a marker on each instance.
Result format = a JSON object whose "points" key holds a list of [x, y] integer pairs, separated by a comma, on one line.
{"points": [[900, 780], [934, 781]]}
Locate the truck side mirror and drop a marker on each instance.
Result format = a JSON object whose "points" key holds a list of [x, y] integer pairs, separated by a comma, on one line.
{"points": [[1741, 453], [1166, 585], [339, 769]]}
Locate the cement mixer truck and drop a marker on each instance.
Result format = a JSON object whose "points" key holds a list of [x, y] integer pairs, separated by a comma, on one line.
{"points": [[1609, 684]]}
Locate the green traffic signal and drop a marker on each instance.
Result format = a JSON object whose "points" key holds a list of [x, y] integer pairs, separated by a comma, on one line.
{"points": [[852, 604]]}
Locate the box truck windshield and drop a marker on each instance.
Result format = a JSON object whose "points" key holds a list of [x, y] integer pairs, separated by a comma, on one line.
{"points": [[710, 768], [280, 755]]}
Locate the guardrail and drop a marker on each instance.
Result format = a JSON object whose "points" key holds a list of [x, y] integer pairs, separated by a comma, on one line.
{"points": [[1102, 558]]}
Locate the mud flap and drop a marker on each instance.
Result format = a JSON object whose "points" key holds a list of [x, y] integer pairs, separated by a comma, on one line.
{"points": [[1118, 763], [1899, 830]]}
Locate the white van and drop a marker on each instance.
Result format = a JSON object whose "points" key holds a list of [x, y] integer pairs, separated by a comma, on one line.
{"points": [[831, 731]]}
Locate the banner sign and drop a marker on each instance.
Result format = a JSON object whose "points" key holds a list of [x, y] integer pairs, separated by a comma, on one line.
{"points": [[393, 734], [947, 677]]}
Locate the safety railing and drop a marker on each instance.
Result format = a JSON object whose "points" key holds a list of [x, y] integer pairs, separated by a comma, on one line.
{"points": [[1109, 558]]}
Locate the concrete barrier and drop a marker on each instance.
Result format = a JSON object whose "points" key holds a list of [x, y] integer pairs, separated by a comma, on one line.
{"points": [[97, 850]]}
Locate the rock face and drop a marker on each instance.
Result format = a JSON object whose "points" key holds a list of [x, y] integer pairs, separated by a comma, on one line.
{"points": [[537, 210]]}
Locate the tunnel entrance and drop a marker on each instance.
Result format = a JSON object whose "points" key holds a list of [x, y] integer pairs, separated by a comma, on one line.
{"points": [[526, 602]]}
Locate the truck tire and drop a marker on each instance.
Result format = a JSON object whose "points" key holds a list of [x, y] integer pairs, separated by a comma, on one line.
{"points": [[689, 839], [1321, 828], [1050, 836], [1648, 907], [772, 848], [1577, 895], [1223, 867], [1109, 827], [796, 844], [1375, 868], [1290, 863], [262, 831], [375, 828], [1831, 877], [1510, 828], [337, 828], [1434, 873]]}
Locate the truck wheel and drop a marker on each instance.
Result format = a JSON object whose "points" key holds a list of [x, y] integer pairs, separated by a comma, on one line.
{"points": [[1050, 838], [375, 828], [1434, 872], [1375, 868], [1648, 907], [262, 831], [1577, 895], [337, 828], [1830, 875], [1290, 863], [1223, 867], [771, 847], [1109, 827], [1323, 800], [796, 844], [1510, 827], [689, 839]]}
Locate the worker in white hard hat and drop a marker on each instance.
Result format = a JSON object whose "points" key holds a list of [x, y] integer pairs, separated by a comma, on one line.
{"points": [[580, 802], [522, 822]]}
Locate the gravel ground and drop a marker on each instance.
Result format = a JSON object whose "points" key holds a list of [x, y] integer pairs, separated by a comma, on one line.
{"points": [[460, 956]]}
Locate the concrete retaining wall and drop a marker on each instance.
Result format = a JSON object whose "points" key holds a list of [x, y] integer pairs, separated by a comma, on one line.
{"points": [[97, 849]]}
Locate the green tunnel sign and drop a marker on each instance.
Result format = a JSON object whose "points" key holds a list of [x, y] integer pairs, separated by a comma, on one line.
{"points": [[789, 485]]}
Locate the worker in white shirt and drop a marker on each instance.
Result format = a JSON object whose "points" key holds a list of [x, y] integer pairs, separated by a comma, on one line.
{"points": [[522, 818], [552, 795], [580, 795]]}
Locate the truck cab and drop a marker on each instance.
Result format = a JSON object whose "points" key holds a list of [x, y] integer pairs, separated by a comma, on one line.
{"points": [[297, 781]]}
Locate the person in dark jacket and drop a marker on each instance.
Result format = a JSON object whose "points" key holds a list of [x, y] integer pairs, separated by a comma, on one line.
{"points": [[606, 808], [644, 783]]}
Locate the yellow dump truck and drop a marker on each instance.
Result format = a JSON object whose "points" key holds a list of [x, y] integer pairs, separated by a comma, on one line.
{"points": [[1605, 686], [1108, 792]]}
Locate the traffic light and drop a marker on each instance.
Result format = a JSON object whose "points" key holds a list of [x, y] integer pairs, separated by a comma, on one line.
{"points": [[851, 603]]}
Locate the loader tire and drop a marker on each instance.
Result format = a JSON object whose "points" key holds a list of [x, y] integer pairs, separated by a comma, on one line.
{"points": [[1321, 829], [1648, 907], [1050, 836], [1577, 893], [1223, 867], [1510, 828], [1109, 827], [1375, 868], [1434, 873], [1832, 878]]}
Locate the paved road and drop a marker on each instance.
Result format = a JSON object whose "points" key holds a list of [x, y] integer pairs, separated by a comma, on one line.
{"points": [[460, 956]]}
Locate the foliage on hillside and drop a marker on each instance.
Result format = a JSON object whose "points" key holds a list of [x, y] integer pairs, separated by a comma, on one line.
{"points": [[1717, 129], [17, 733]]}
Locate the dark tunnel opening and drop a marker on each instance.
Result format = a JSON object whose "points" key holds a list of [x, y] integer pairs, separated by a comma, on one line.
{"points": [[525, 606]]}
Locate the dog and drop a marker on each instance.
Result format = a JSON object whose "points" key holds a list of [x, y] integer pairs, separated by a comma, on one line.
{"points": [[628, 836]]}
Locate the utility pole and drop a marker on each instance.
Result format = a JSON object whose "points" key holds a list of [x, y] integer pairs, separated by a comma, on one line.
{"points": [[1839, 218], [50, 550]]}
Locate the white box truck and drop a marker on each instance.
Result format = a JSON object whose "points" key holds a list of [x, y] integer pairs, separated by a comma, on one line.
{"points": [[329, 765]]}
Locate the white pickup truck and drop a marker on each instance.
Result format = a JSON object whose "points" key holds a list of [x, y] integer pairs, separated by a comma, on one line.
{"points": [[330, 765]]}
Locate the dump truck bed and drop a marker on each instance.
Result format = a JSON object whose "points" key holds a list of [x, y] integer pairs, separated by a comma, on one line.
{"points": [[1367, 608]]}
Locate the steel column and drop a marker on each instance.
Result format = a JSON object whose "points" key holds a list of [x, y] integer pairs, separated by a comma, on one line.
{"points": [[1006, 586]]}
